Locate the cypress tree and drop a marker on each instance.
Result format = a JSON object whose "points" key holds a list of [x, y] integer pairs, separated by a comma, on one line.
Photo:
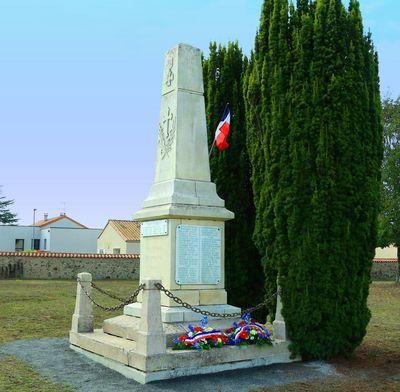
{"points": [[312, 111], [230, 170], [266, 95], [257, 104]]}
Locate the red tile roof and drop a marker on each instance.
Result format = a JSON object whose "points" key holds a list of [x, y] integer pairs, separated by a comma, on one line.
{"points": [[385, 260], [129, 230], [43, 223], [70, 255]]}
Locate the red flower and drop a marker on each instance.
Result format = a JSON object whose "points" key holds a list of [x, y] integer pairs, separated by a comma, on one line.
{"points": [[198, 329], [182, 338], [243, 335]]}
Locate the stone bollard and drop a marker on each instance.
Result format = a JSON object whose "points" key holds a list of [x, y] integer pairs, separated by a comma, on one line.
{"points": [[151, 337], [279, 326], [82, 319]]}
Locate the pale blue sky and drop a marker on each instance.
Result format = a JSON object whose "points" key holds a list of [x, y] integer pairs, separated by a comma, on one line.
{"points": [[80, 92]]}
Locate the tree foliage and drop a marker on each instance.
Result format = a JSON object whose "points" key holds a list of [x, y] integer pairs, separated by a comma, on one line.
{"points": [[230, 169], [389, 217], [314, 142], [6, 216]]}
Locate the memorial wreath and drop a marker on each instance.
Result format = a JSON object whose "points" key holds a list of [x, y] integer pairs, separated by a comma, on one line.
{"points": [[246, 331]]}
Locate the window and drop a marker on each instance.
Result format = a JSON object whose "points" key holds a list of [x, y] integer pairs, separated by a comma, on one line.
{"points": [[116, 251], [36, 244], [45, 244], [19, 245], [101, 251]]}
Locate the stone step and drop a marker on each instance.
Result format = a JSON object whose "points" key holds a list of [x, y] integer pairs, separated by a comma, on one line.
{"points": [[175, 363], [122, 326], [179, 314], [126, 327], [103, 344]]}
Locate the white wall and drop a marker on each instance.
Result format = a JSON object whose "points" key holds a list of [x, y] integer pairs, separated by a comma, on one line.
{"points": [[45, 234], [73, 240], [109, 240], [8, 235], [58, 239], [64, 223], [133, 247], [386, 253]]}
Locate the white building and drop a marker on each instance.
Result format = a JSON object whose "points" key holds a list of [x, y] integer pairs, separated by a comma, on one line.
{"points": [[119, 237], [387, 253], [59, 234]]}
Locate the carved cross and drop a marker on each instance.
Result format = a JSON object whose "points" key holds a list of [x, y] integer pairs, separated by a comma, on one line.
{"points": [[168, 122], [166, 133]]}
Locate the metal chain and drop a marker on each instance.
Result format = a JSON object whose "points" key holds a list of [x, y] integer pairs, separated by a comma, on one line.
{"points": [[106, 292], [169, 294], [127, 301], [186, 305]]}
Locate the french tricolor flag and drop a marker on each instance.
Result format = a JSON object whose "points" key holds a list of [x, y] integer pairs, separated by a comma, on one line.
{"points": [[222, 132]]}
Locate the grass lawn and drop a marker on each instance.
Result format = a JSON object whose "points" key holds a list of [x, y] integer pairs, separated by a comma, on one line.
{"points": [[36, 309], [377, 360]]}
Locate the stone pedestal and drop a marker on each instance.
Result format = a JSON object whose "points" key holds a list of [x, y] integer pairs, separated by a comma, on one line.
{"points": [[82, 319], [279, 326], [138, 350], [150, 336]]}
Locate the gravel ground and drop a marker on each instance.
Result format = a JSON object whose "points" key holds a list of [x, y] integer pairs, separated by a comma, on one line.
{"points": [[54, 359]]}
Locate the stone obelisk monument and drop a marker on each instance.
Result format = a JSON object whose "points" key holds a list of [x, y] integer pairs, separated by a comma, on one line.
{"points": [[182, 234], [182, 246]]}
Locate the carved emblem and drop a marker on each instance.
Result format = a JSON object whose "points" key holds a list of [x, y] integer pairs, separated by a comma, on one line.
{"points": [[170, 74], [166, 133]]}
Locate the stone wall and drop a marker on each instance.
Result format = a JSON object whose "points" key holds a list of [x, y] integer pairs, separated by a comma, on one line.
{"points": [[384, 269], [46, 265]]}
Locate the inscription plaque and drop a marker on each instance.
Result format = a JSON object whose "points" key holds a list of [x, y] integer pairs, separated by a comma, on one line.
{"points": [[154, 228], [198, 254]]}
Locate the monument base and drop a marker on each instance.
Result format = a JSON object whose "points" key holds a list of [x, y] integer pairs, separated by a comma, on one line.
{"points": [[115, 354], [140, 347], [179, 314], [175, 320]]}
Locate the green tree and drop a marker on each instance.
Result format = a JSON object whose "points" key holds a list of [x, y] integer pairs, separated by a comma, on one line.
{"points": [[230, 170], [265, 90], [314, 141], [6, 216], [389, 217]]}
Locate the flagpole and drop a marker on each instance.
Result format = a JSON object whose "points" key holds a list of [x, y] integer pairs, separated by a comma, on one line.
{"points": [[212, 145]]}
